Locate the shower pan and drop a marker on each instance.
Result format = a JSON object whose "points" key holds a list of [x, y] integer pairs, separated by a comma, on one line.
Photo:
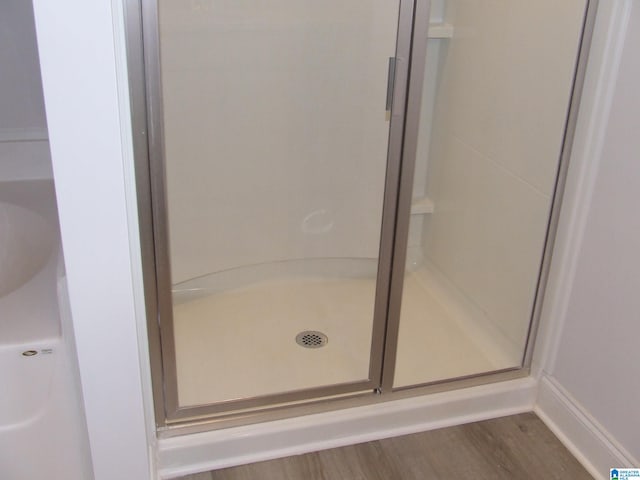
{"points": [[345, 200]]}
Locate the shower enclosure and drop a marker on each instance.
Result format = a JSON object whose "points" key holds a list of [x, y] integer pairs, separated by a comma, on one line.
{"points": [[345, 199]]}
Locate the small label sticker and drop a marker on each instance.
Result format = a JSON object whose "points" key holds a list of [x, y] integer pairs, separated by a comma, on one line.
{"points": [[624, 473]]}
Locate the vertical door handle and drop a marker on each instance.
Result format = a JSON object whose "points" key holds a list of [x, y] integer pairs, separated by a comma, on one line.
{"points": [[391, 75]]}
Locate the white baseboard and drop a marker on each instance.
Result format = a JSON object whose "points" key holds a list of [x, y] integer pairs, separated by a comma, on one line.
{"points": [[200, 452], [591, 444]]}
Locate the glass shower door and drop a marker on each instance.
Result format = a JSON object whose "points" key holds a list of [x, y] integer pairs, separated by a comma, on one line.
{"points": [[270, 173], [488, 139]]}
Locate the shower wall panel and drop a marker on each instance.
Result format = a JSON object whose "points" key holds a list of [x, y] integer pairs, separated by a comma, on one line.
{"points": [[502, 105], [275, 148]]}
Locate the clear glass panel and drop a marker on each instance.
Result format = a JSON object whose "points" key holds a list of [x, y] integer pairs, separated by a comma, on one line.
{"points": [[276, 147], [497, 90]]}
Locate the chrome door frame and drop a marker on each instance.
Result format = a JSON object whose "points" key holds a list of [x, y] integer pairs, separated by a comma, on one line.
{"points": [[143, 50], [405, 190]]}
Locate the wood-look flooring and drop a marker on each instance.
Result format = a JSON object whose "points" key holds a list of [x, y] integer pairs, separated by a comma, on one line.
{"points": [[518, 447]]}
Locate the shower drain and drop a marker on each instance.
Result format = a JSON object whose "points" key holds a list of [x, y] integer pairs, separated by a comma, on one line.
{"points": [[311, 339]]}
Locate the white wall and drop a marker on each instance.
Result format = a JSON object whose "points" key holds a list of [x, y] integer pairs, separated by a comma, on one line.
{"points": [[21, 103], [498, 131], [596, 370]]}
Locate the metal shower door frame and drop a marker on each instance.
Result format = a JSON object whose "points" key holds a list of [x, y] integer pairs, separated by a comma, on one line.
{"points": [[143, 49]]}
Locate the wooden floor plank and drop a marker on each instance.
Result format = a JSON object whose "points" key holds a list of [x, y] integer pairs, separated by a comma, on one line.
{"points": [[516, 447]]}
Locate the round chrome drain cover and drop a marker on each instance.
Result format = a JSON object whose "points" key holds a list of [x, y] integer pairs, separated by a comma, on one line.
{"points": [[311, 339]]}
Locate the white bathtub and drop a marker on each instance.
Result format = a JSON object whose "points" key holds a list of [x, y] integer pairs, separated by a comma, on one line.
{"points": [[41, 422], [29, 314]]}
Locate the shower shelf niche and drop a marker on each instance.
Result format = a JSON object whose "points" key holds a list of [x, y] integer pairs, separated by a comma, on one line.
{"points": [[421, 206], [440, 30]]}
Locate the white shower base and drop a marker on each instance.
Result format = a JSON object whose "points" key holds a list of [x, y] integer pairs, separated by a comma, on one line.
{"points": [[240, 342], [443, 335]]}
